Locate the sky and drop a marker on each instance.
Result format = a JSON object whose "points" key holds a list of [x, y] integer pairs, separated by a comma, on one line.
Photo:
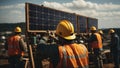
{"points": [[106, 11]]}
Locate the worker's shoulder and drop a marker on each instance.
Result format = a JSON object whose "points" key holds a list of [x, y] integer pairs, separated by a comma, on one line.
{"points": [[97, 34], [82, 46], [116, 35], [46, 46]]}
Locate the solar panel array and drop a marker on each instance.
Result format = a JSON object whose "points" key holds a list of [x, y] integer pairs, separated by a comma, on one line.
{"points": [[82, 24], [41, 18], [92, 22]]}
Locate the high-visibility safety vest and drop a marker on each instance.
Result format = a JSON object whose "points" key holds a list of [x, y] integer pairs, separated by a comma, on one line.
{"points": [[13, 46], [98, 42], [73, 56]]}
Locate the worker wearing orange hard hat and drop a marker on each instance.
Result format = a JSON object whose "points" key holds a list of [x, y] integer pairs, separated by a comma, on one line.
{"points": [[115, 47], [66, 54], [95, 42], [16, 48]]}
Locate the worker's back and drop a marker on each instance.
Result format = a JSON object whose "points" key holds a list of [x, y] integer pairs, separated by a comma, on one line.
{"points": [[73, 56], [66, 54]]}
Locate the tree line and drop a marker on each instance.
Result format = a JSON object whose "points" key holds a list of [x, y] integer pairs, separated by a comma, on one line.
{"points": [[10, 26]]}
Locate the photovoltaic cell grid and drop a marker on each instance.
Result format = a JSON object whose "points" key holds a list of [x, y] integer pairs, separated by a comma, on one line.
{"points": [[82, 24], [92, 22], [42, 18]]}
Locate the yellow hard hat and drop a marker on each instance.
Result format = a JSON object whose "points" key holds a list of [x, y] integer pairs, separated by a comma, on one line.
{"points": [[111, 31], [100, 31], [18, 29], [65, 30], [93, 28]]}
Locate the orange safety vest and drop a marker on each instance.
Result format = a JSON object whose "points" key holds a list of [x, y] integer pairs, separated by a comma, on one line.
{"points": [[13, 46], [73, 56], [98, 42]]}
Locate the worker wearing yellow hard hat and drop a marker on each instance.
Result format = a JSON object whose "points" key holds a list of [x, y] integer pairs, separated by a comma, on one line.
{"points": [[100, 32], [95, 42], [60, 54], [17, 29], [93, 28], [111, 31], [114, 47], [65, 30], [16, 48]]}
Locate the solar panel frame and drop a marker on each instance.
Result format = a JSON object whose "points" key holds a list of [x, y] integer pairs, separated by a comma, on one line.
{"points": [[39, 18]]}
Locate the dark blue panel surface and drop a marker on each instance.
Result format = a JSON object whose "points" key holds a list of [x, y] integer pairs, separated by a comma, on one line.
{"points": [[92, 22], [82, 24], [43, 18]]}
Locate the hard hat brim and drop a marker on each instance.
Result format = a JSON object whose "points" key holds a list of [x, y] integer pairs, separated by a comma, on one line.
{"points": [[70, 37]]}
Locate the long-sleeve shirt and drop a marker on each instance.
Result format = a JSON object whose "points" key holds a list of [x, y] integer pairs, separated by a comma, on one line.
{"points": [[115, 42]]}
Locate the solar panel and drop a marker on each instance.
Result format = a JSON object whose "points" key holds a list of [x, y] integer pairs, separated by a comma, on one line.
{"points": [[82, 24], [92, 22], [40, 18]]}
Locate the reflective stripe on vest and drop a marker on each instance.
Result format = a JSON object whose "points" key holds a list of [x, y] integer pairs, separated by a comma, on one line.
{"points": [[65, 58], [78, 60], [98, 42]]}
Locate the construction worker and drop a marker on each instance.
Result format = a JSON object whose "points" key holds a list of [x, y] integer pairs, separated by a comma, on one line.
{"points": [[15, 47], [66, 54], [114, 47], [102, 34], [95, 42]]}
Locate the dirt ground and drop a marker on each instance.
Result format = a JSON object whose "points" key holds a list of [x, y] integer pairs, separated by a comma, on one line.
{"points": [[4, 64]]}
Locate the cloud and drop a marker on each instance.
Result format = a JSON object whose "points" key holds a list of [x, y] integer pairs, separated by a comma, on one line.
{"points": [[13, 17], [107, 12], [12, 13], [16, 12], [108, 6], [56, 5], [16, 6], [79, 4], [85, 8], [6, 7]]}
